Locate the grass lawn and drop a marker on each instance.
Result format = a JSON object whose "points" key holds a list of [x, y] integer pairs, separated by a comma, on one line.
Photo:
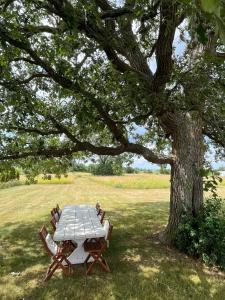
{"points": [[141, 268]]}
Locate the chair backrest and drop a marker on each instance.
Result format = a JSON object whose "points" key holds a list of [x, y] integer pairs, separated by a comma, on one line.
{"points": [[108, 227], [53, 223], [101, 215], [49, 245], [55, 214], [98, 208], [58, 209]]}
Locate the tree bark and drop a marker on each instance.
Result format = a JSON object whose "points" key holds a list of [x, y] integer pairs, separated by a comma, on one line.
{"points": [[186, 193]]}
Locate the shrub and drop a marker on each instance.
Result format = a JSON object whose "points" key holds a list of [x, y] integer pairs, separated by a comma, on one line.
{"points": [[30, 180], [9, 184], [8, 174], [203, 236], [79, 167], [130, 170], [31, 173]]}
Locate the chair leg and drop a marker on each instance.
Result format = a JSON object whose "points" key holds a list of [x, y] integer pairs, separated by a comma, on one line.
{"points": [[53, 267], [106, 265], [87, 258], [98, 258], [67, 271], [89, 269]]}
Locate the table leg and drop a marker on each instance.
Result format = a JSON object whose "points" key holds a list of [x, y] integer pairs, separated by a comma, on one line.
{"points": [[78, 256]]}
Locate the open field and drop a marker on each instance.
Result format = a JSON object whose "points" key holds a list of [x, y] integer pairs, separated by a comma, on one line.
{"points": [[135, 181], [141, 268]]}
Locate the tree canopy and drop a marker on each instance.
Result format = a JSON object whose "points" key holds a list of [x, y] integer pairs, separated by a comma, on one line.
{"points": [[76, 76]]}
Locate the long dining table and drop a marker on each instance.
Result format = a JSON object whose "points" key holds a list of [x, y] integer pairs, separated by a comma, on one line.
{"points": [[78, 223]]}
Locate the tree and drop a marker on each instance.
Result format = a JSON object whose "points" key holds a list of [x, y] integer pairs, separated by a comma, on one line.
{"points": [[106, 165], [77, 78]]}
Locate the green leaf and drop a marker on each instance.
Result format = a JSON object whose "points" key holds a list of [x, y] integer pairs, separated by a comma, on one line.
{"points": [[221, 28], [201, 34], [210, 6]]}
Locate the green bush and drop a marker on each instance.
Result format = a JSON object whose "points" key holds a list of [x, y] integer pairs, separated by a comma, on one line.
{"points": [[131, 170], [107, 166], [203, 236], [79, 167], [8, 174]]}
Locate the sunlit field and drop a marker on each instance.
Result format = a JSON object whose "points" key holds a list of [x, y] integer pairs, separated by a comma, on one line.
{"points": [[135, 181], [141, 268]]}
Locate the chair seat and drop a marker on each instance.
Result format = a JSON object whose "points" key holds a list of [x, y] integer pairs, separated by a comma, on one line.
{"points": [[94, 245]]}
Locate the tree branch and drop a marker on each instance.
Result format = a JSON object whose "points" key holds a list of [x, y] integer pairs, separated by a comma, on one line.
{"points": [[215, 138], [25, 81], [109, 42], [115, 13], [152, 12], [34, 130], [148, 154], [164, 44], [30, 30], [23, 59]]}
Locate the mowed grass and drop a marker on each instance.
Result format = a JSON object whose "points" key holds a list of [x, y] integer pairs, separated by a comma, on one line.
{"points": [[141, 268]]}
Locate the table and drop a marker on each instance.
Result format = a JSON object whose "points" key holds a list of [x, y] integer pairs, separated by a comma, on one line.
{"points": [[78, 223]]}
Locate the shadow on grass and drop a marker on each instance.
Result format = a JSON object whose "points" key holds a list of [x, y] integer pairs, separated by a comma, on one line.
{"points": [[141, 269]]}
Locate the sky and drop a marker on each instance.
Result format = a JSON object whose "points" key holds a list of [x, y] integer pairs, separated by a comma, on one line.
{"points": [[144, 164]]}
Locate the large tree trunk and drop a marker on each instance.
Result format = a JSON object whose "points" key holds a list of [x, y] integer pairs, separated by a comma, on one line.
{"points": [[186, 181]]}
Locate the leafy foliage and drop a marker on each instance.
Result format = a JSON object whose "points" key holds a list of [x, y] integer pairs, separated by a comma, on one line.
{"points": [[8, 173], [32, 168], [203, 236], [211, 179], [108, 166], [216, 11]]}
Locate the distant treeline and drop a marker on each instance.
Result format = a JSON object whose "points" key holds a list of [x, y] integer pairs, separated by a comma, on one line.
{"points": [[113, 169]]}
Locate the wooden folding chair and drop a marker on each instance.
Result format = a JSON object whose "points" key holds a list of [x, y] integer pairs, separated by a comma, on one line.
{"points": [[101, 215], [95, 248], [60, 259]]}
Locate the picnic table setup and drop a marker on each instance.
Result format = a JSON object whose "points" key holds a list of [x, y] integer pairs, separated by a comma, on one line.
{"points": [[80, 237]]}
